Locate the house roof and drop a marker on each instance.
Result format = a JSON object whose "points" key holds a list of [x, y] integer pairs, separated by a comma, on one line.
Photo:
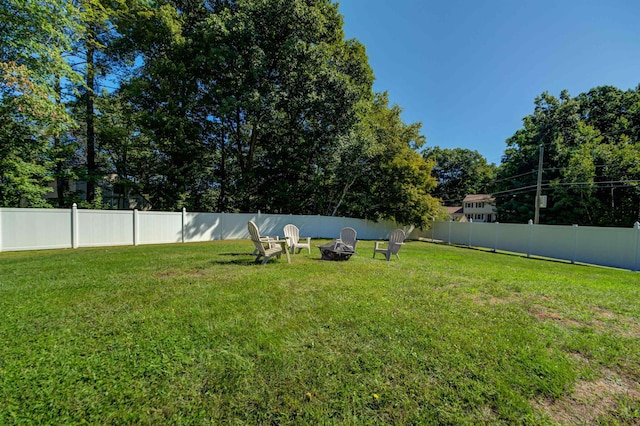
{"points": [[476, 198], [454, 210]]}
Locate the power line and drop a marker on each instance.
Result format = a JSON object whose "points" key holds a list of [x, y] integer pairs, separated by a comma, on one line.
{"points": [[592, 185], [597, 166], [511, 177], [626, 181], [514, 189], [547, 169]]}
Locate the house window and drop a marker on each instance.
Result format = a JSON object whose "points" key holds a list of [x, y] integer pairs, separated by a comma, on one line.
{"points": [[470, 216], [479, 216], [479, 205]]}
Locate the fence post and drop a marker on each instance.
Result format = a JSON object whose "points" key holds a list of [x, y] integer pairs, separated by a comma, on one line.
{"points": [[433, 226], [495, 246], [449, 238], [222, 219], [575, 243], [74, 226], [470, 229], [136, 227], [530, 237], [184, 221], [636, 226]]}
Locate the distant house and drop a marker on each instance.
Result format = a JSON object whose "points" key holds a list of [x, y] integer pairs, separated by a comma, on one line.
{"points": [[112, 194], [479, 208], [456, 214]]}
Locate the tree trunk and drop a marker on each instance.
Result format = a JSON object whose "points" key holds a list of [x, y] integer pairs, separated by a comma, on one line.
{"points": [[91, 138], [222, 196], [60, 183]]}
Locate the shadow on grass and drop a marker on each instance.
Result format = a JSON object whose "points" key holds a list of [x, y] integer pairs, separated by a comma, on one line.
{"points": [[248, 259], [244, 259]]}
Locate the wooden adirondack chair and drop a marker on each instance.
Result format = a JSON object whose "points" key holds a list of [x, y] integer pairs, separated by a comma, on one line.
{"points": [[348, 237], [263, 247], [396, 240], [292, 235]]}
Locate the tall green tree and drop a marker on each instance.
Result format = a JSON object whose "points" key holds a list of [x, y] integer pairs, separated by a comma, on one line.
{"points": [[247, 103], [32, 45], [91, 54], [125, 150], [166, 100], [288, 90], [397, 181], [590, 172]]}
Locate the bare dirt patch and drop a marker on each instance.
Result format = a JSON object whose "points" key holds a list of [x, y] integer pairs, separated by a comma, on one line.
{"points": [[604, 314], [485, 299], [190, 273], [605, 319], [590, 400], [543, 313], [165, 274]]}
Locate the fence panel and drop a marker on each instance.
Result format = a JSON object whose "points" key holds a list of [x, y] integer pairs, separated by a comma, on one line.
{"points": [[34, 229], [460, 233], [553, 241], [514, 237], [159, 227], [105, 228], [440, 231], [202, 227], [482, 234], [614, 247]]}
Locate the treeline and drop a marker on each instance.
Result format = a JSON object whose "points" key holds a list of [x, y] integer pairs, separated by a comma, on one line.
{"points": [[212, 105], [591, 160]]}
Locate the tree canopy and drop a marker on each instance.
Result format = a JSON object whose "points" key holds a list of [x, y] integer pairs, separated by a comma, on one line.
{"points": [[31, 59], [459, 172], [591, 161], [212, 105]]}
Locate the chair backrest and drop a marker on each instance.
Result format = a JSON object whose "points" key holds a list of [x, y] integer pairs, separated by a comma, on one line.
{"points": [[255, 237], [292, 233], [395, 240], [348, 236]]}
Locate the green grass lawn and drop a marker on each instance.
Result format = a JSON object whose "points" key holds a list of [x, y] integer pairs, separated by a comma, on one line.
{"points": [[198, 334]]}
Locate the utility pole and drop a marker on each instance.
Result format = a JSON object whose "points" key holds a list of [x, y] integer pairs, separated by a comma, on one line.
{"points": [[536, 219]]}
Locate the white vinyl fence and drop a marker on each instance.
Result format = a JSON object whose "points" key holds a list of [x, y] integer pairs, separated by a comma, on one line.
{"points": [[38, 229], [615, 247]]}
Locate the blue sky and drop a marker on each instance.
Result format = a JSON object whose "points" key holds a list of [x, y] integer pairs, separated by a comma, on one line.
{"points": [[469, 70]]}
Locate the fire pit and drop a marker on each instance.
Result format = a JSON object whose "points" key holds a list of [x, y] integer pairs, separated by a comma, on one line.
{"points": [[336, 251]]}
